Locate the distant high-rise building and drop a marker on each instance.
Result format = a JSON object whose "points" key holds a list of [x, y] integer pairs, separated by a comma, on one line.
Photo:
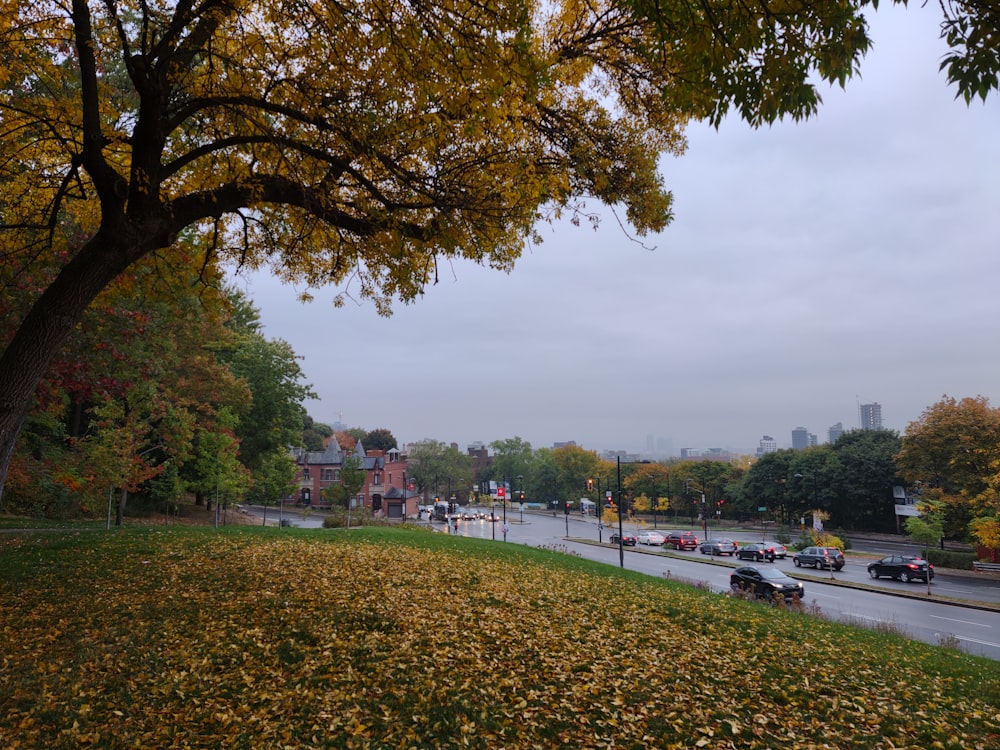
{"points": [[834, 432], [800, 439], [871, 416], [767, 445]]}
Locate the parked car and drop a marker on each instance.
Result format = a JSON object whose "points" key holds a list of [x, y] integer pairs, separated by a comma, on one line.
{"points": [[765, 583], [627, 539], [682, 540], [755, 551], [819, 557], [903, 567], [651, 537], [719, 546], [777, 548]]}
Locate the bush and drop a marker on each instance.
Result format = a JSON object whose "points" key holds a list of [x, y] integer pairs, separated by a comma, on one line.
{"points": [[944, 558], [337, 518], [810, 538]]}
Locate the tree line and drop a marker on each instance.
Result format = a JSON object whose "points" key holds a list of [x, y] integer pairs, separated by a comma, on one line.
{"points": [[948, 459]]}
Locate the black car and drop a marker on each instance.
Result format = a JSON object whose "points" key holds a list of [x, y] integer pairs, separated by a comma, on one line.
{"points": [[756, 551], [903, 567], [627, 540], [819, 557], [765, 583]]}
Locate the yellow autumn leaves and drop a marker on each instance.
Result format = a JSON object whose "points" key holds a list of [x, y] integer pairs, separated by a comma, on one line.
{"points": [[401, 639]]}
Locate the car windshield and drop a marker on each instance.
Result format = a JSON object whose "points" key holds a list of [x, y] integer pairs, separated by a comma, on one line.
{"points": [[773, 574]]}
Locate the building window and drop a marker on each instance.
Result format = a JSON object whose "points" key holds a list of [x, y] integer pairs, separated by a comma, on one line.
{"points": [[376, 478], [336, 475], [305, 473], [328, 474]]}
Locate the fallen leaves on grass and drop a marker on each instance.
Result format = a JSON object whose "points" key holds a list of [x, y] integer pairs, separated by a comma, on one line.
{"points": [[270, 641]]}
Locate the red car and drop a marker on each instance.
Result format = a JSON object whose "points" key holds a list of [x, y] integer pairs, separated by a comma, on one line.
{"points": [[682, 540]]}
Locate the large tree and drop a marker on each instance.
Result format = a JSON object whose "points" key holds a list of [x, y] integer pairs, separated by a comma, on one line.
{"points": [[355, 144], [954, 449], [865, 499]]}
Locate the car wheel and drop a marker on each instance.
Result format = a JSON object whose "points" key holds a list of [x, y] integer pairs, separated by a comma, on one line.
{"points": [[904, 577], [873, 573], [796, 562]]}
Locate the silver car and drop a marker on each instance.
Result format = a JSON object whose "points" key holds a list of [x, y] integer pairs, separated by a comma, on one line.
{"points": [[651, 537], [721, 546]]}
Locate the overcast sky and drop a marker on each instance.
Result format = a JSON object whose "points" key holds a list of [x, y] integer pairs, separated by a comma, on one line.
{"points": [[811, 267]]}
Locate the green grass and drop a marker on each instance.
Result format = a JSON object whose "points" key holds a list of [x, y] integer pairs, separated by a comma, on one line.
{"points": [[399, 638]]}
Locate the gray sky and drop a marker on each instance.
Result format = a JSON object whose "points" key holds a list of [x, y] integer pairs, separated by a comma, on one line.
{"points": [[811, 266]]}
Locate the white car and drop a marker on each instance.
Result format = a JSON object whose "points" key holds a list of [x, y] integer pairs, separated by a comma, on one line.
{"points": [[651, 537]]}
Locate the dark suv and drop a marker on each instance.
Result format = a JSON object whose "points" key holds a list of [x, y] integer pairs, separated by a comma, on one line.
{"points": [[903, 567], [681, 540], [819, 557]]}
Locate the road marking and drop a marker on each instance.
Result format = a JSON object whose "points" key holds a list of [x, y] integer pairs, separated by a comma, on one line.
{"points": [[976, 640], [814, 592], [964, 622]]}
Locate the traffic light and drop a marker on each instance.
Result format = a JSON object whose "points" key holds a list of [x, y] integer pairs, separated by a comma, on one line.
{"points": [[590, 485], [521, 496], [568, 503]]}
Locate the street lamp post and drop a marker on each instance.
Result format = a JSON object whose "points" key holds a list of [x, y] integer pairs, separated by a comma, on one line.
{"points": [[704, 507], [505, 510], [815, 503], [599, 512], [520, 482], [621, 530]]}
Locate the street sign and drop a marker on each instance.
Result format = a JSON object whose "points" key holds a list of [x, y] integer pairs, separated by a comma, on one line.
{"points": [[501, 491], [762, 509]]}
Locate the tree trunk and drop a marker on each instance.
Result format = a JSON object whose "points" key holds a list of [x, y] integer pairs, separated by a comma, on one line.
{"points": [[46, 327], [120, 511]]}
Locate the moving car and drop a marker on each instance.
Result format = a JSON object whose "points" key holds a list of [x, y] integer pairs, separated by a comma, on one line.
{"points": [[778, 549], [765, 583], [755, 551], [719, 546], [682, 540], [651, 537], [903, 567], [627, 539], [819, 557]]}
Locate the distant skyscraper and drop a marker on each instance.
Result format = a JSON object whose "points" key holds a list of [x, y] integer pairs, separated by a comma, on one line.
{"points": [[871, 416], [767, 445], [834, 432], [800, 439]]}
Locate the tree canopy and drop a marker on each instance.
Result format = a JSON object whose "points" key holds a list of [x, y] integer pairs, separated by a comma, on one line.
{"points": [[362, 144]]}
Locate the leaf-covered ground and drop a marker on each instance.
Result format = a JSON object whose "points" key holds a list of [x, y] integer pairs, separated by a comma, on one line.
{"points": [[403, 639]]}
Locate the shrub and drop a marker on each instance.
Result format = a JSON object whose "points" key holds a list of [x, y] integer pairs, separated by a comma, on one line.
{"points": [[945, 558]]}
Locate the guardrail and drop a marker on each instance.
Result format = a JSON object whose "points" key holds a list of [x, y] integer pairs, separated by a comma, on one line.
{"points": [[986, 567]]}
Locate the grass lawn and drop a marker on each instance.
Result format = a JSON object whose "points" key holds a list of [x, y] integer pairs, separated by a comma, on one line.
{"points": [[246, 637]]}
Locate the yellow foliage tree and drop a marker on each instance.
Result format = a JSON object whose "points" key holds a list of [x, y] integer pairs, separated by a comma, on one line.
{"points": [[354, 144], [351, 144]]}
